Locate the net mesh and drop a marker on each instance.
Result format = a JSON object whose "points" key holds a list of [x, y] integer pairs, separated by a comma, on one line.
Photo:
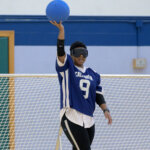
{"points": [[29, 113]]}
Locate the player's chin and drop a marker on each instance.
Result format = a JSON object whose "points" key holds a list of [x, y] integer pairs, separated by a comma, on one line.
{"points": [[81, 63]]}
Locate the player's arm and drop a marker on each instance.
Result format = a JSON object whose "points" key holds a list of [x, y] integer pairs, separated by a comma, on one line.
{"points": [[60, 41], [100, 100]]}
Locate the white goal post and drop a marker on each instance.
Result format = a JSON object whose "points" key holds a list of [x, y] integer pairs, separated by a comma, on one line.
{"points": [[29, 113]]}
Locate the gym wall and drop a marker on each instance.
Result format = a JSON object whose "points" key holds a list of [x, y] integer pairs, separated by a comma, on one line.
{"points": [[115, 34]]}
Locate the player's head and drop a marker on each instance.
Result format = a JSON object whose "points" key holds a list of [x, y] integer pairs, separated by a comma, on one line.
{"points": [[79, 53], [78, 48]]}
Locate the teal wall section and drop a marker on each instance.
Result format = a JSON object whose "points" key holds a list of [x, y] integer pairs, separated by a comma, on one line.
{"points": [[4, 55], [4, 95]]}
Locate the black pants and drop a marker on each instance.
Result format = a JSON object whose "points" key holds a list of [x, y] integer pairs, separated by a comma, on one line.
{"points": [[81, 138]]}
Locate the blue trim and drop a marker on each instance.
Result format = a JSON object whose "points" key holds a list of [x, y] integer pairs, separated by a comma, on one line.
{"points": [[92, 30], [33, 18]]}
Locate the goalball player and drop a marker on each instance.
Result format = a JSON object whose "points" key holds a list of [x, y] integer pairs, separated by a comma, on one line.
{"points": [[80, 89]]}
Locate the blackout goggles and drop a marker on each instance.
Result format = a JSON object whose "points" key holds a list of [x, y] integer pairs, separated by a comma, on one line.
{"points": [[77, 52]]}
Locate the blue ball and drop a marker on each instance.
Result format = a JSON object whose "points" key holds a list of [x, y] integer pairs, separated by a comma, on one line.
{"points": [[57, 10]]}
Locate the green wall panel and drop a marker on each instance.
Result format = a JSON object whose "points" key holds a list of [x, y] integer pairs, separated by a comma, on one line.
{"points": [[4, 55], [4, 95]]}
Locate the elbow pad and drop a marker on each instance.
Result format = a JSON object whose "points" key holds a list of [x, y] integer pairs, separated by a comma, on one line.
{"points": [[60, 48], [100, 99]]}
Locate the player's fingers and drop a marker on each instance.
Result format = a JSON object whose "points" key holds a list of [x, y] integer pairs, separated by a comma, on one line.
{"points": [[107, 116], [52, 22], [57, 24], [109, 119]]}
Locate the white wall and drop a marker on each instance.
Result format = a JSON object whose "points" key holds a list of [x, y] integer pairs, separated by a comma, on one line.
{"points": [[79, 7], [104, 60]]}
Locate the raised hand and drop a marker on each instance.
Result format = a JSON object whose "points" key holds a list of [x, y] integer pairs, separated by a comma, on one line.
{"points": [[58, 25]]}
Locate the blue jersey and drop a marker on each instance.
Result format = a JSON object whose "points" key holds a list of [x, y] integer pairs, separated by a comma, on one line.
{"points": [[78, 89]]}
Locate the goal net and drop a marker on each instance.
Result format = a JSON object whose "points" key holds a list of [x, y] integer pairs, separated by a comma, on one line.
{"points": [[29, 113]]}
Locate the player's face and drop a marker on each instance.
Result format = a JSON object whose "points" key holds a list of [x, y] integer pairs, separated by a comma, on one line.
{"points": [[79, 61]]}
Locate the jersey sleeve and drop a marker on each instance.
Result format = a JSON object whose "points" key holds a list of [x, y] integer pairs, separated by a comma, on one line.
{"points": [[99, 94], [98, 86], [61, 67]]}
